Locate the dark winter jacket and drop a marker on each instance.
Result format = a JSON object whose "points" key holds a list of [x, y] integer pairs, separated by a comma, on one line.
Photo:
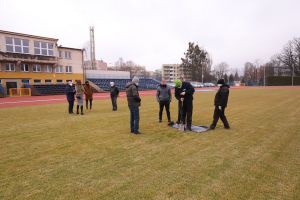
{"points": [[132, 94], [189, 92], [221, 97], [163, 93], [70, 92], [114, 91]]}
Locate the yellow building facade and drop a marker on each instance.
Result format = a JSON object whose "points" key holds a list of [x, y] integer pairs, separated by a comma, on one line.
{"points": [[30, 59]]}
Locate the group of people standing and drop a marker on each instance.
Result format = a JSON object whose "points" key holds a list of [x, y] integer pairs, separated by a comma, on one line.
{"points": [[86, 90], [184, 92]]}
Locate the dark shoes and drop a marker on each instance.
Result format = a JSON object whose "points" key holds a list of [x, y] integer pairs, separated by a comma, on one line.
{"points": [[213, 127], [136, 133]]}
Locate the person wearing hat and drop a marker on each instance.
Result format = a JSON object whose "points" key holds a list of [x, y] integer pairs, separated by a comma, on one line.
{"points": [[88, 91], [114, 93], [70, 92], [134, 102], [220, 102], [177, 96], [164, 97], [79, 96]]}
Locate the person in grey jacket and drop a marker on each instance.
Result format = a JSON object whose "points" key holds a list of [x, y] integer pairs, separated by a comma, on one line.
{"points": [[134, 102], [164, 97]]}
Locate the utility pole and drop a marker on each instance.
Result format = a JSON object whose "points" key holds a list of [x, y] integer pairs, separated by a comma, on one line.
{"points": [[264, 75], [202, 73], [293, 67]]}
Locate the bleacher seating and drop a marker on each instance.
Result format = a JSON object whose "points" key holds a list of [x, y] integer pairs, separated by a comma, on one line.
{"points": [[53, 89], [144, 84], [56, 89]]}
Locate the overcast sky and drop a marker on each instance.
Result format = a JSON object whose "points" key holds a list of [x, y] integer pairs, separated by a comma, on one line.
{"points": [[156, 32]]}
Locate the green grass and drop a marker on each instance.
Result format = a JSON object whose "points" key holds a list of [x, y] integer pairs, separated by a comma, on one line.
{"points": [[46, 153]]}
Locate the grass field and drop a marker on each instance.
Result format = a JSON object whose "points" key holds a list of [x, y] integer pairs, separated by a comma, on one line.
{"points": [[46, 153]]}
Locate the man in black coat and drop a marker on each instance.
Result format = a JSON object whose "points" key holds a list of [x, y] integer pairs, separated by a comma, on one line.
{"points": [[70, 92], [184, 93], [114, 93], [221, 100]]}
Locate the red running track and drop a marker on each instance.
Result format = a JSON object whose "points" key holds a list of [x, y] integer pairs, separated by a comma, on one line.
{"points": [[56, 99]]}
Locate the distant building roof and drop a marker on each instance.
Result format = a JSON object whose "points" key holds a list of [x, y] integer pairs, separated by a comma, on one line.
{"points": [[27, 35], [62, 47]]}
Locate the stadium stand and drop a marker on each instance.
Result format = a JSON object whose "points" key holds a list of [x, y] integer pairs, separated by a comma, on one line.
{"points": [[42, 90], [144, 84], [56, 89]]}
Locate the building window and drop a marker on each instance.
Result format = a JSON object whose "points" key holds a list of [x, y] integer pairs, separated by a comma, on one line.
{"points": [[24, 67], [68, 69], [60, 54], [10, 67], [43, 48], [59, 81], [67, 55], [48, 68], [59, 69], [25, 82], [37, 81], [17, 45], [36, 68], [48, 81]]}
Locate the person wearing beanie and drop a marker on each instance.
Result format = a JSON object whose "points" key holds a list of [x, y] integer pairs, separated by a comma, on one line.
{"points": [[88, 91], [220, 102], [79, 96], [70, 92], [164, 97], [177, 96], [134, 102], [114, 93]]}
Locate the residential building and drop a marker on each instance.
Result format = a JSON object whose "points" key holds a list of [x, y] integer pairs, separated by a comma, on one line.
{"points": [[171, 72]]}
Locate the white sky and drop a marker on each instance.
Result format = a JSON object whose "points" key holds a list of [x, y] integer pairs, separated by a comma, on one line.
{"points": [[156, 32]]}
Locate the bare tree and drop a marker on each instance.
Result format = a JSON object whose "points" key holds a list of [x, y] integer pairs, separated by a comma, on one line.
{"points": [[296, 45], [221, 69]]}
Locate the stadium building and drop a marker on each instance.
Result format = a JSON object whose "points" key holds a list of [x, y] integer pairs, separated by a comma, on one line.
{"points": [[34, 60]]}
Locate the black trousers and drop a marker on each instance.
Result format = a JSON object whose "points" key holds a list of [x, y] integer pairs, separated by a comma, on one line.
{"points": [[87, 103], [165, 104], [187, 113], [179, 112], [219, 114], [71, 105], [114, 102]]}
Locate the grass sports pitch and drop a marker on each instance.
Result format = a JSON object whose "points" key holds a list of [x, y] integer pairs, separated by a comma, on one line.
{"points": [[46, 153]]}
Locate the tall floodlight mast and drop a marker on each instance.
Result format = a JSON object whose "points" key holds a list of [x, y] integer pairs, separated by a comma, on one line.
{"points": [[92, 48]]}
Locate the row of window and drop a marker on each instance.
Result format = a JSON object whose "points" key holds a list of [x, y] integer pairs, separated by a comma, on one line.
{"points": [[65, 54], [17, 45], [11, 67], [47, 81]]}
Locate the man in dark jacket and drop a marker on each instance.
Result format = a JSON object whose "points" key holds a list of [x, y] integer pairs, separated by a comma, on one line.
{"points": [[164, 97], [114, 93], [134, 101], [184, 93], [220, 103], [70, 92]]}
